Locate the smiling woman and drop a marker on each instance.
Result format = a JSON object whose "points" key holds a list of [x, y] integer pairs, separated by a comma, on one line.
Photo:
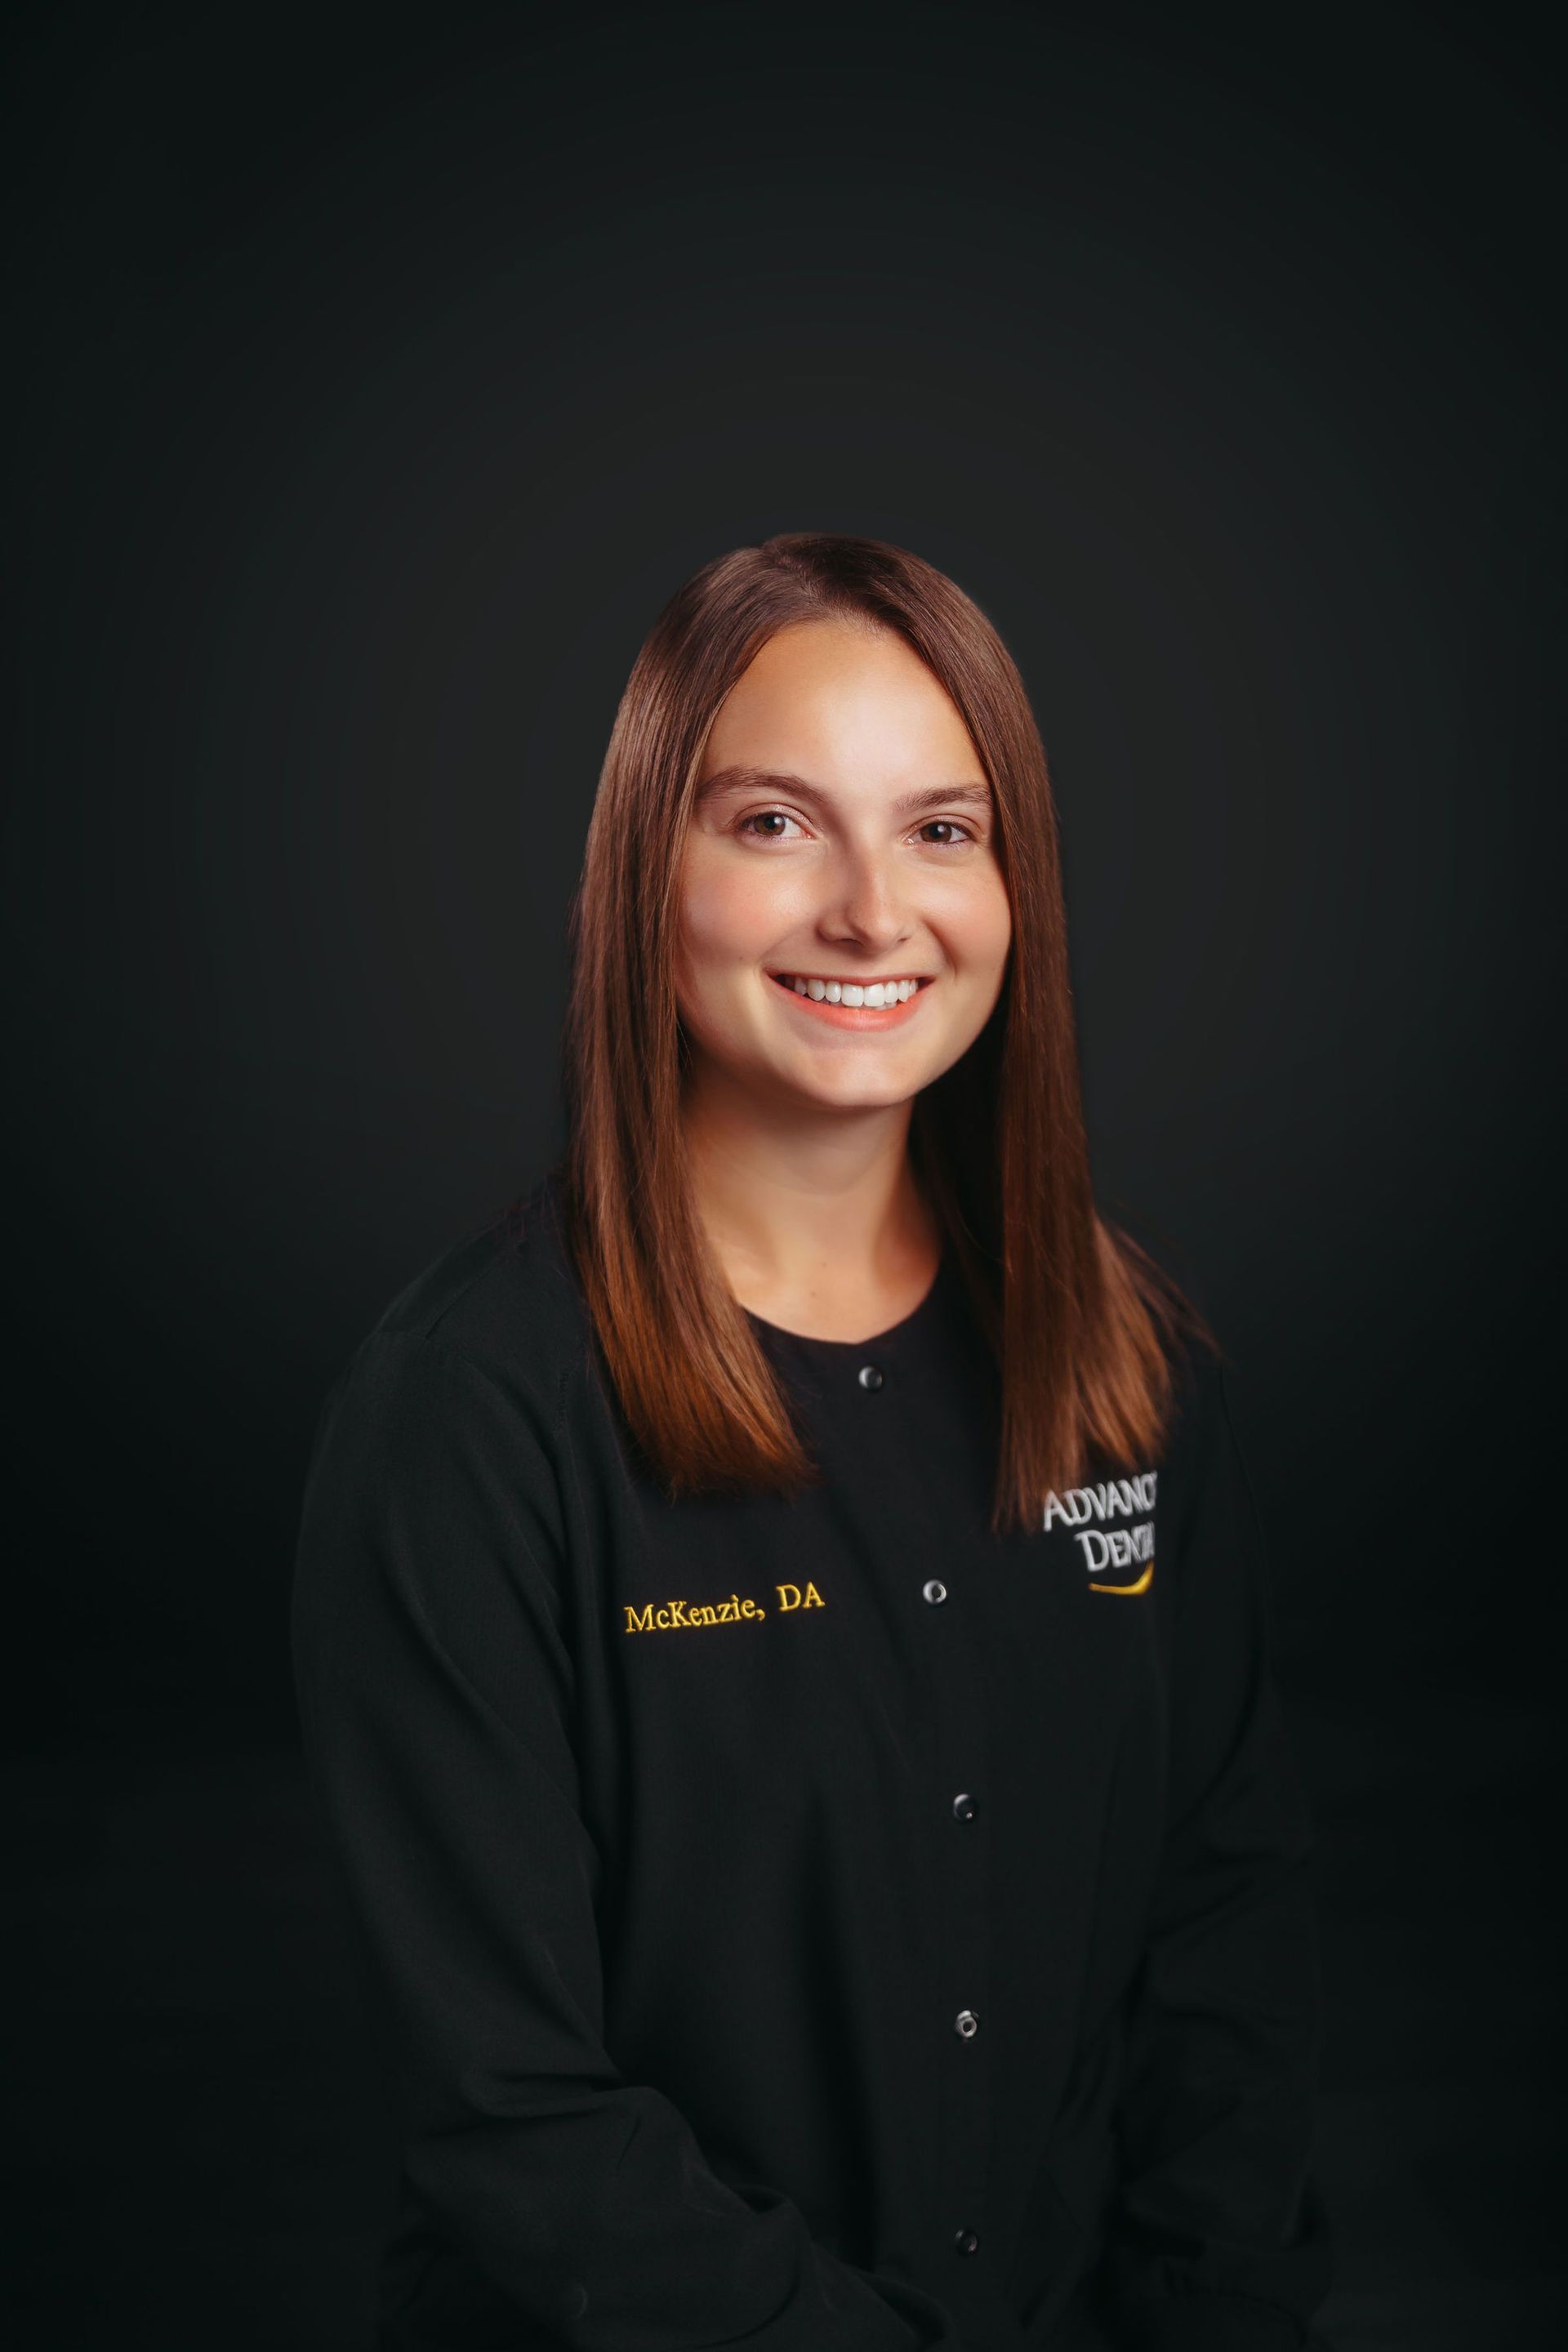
{"points": [[825, 766], [924, 1961]]}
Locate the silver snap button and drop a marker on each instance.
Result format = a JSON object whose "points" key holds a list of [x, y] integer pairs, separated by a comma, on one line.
{"points": [[870, 1378], [966, 2240], [934, 1589], [964, 1807], [966, 2023]]}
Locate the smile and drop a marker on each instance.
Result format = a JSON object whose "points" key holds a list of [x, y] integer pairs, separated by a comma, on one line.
{"points": [[854, 1004]]}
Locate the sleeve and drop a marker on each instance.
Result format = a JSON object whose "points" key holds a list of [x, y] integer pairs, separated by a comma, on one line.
{"points": [[435, 1689], [1219, 2237]]}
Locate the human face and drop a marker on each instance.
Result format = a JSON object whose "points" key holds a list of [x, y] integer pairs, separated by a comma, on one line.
{"points": [[843, 831]]}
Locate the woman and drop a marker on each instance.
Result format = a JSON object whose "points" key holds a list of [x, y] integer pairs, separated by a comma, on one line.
{"points": [[780, 1620]]}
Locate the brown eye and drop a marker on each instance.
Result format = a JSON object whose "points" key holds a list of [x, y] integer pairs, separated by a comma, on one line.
{"points": [[760, 817]]}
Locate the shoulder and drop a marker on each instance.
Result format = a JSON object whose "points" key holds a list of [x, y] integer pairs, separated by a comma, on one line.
{"points": [[435, 1475], [1213, 1505], [496, 1311], [1192, 1356], [1195, 1430], [468, 1363], [1199, 1366], [503, 1298]]}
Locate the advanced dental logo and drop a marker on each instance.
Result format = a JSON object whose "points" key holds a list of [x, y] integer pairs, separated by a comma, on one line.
{"points": [[1108, 1552]]}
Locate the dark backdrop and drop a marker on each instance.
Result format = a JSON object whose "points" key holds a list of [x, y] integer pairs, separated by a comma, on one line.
{"points": [[381, 373]]}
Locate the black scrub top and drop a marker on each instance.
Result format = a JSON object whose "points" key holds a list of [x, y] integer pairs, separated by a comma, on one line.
{"points": [[812, 1924]]}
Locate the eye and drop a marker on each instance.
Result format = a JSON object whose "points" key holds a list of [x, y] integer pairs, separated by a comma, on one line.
{"points": [[756, 818]]}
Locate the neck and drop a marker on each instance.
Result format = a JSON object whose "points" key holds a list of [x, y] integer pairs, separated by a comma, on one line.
{"points": [[808, 1210]]}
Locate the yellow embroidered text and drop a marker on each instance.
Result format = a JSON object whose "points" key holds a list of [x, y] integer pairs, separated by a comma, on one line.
{"points": [[650, 1620]]}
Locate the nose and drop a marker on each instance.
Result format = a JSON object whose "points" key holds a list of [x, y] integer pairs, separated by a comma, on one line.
{"points": [[864, 901]]}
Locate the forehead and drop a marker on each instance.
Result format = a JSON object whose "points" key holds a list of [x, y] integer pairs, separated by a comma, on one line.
{"points": [[843, 705]]}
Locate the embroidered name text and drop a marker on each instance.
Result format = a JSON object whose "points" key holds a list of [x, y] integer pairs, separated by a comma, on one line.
{"points": [[674, 1614], [650, 1620]]}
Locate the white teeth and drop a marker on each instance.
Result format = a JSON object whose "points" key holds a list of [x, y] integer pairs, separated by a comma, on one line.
{"points": [[836, 991]]}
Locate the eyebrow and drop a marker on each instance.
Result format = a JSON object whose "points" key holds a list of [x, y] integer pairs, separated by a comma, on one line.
{"points": [[773, 780]]}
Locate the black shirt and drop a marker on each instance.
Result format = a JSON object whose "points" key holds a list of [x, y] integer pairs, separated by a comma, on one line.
{"points": [[815, 1924]]}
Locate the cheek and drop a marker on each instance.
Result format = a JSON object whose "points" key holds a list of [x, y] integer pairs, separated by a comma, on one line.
{"points": [[726, 914], [982, 926]]}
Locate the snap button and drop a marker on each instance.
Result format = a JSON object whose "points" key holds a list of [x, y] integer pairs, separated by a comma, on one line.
{"points": [[870, 1378], [966, 2023], [934, 1589], [966, 2240], [963, 1809]]}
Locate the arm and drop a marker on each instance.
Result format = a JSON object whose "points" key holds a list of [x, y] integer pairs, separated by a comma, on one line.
{"points": [[1220, 2240], [435, 1687]]}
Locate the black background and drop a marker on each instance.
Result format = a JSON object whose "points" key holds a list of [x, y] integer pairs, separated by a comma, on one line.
{"points": [[379, 374]]}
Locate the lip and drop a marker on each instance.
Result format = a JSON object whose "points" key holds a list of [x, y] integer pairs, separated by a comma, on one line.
{"points": [[854, 1016]]}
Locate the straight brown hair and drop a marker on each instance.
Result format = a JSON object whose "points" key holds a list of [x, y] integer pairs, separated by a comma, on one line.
{"points": [[1078, 1316]]}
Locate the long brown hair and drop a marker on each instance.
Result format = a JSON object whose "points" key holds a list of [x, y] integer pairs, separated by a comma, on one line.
{"points": [[1078, 1316]]}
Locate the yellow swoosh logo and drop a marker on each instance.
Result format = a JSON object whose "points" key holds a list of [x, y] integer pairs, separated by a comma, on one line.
{"points": [[1142, 1585]]}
